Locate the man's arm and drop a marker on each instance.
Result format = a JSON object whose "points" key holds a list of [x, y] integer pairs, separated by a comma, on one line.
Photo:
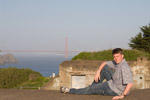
{"points": [[127, 89], [97, 75]]}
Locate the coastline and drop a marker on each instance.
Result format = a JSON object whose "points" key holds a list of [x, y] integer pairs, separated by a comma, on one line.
{"points": [[45, 64]]}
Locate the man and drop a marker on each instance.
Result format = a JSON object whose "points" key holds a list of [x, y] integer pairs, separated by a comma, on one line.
{"points": [[118, 75]]}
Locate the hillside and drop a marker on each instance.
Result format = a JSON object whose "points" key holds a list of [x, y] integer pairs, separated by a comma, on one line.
{"points": [[7, 58], [130, 55], [14, 78]]}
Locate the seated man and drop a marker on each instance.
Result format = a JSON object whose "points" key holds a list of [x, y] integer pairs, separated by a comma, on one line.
{"points": [[118, 75]]}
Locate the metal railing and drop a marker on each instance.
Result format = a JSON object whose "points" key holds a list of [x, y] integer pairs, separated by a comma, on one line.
{"points": [[25, 87]]}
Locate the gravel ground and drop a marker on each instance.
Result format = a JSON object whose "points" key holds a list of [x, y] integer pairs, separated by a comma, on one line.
{"points": [[16, 94]]}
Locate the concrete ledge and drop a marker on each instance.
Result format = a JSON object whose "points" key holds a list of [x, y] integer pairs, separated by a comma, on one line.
{"points": [[16, 94]]}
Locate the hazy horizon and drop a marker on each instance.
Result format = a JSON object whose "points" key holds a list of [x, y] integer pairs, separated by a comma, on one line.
{"points": [[88, 24]]}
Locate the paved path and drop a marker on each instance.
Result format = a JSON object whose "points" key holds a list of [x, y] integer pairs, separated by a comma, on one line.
{"points": [[14, 94]]}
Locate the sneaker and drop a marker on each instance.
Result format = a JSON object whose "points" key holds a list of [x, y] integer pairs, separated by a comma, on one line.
{"points": [[64, 89]]}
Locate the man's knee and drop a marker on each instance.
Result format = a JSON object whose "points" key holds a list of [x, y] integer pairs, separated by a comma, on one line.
{"points": [[107, 72], [106, 68]]}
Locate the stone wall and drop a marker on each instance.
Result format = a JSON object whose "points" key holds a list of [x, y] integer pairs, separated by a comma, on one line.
{"points": [[141, 73], [74, 73], [79, 74], [54, 84]]}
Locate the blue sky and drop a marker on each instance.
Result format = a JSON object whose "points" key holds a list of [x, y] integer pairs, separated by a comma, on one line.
{"points": [[88, 24]]}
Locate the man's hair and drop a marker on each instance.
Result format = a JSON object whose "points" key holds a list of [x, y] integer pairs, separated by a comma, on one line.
{"points": [[117, 50]]}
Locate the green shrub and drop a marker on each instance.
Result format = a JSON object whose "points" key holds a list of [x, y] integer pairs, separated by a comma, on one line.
{"points": [[39, 82], [130, 55], [13, 77]]}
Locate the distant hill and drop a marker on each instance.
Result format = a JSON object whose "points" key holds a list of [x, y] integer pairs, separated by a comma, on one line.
{"points": [[6, 59]]}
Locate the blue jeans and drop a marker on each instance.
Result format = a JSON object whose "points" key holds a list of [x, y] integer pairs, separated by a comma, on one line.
{"points": [[100, 87]]}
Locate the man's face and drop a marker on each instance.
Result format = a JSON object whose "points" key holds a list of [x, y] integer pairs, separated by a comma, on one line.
{"points": [[118, 57]]}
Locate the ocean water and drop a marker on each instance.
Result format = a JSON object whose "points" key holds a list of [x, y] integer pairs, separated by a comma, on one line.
{"points": [[44, 63]]}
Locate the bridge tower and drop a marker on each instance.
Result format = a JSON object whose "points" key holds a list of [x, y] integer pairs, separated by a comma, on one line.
{"points": [[66, 47]]}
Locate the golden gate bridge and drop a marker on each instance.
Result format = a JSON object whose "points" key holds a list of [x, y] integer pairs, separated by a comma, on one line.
{"points": [[44, 51], [49, 51]]}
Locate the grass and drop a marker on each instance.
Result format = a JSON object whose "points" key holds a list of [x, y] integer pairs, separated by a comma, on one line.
{"points": [[36, 83], [130, 55]]}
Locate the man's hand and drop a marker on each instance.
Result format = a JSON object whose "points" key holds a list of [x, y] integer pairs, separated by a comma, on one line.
{"points": [[118, 97], [97, 76]]}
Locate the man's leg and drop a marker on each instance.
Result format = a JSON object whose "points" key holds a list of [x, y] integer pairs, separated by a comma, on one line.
{"points": [[96, 88], [99, 88], [93, 89], [106, 73]]}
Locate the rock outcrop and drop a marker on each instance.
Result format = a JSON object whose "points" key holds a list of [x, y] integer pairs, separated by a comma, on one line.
{"points": [[7, 59]]}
